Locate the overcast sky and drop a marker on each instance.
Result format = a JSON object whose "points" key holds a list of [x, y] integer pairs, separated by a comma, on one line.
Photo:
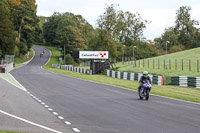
{"points": [[161, 13]]}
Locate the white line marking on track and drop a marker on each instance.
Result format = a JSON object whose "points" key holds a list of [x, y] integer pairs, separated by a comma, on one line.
{"points": [[22, 87], [60, 117], [46, 106], [67, 122], [50, 109], [32, 123], [76, 130], [55, 113]]}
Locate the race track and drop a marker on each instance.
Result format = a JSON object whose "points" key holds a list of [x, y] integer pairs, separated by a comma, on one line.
{"points": [[99, 108]]}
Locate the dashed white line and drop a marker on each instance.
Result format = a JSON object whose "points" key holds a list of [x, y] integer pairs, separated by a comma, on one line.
{"points": [[43, 103], [46, 106], [67, 122], [55, 113], [76, 130], [60, 117], [50, 109]]}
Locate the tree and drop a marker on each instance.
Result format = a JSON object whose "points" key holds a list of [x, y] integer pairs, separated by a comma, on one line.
{"points": [[49, 28], [185, 27], [168, 36], [108, 30], [5, 5], [7, 33], [133, 26], [116, 26], [183, 35], [23, 16], [84, 27]]}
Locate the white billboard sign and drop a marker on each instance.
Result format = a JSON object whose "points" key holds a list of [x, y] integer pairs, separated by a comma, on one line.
{"points": [[93, 54]]}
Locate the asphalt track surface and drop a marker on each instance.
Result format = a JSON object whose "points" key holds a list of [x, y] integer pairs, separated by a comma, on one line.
{"points": [[99, 108]]}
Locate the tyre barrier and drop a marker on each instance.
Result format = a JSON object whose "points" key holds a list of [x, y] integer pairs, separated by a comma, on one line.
{"points": [[75, 69], [186, 81], [159, 80]]}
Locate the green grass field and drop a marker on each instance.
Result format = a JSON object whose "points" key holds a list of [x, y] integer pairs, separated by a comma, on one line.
{"points": [[171, 61], [183, 93]]}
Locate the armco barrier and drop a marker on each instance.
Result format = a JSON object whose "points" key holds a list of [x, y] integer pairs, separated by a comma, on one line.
{"points": [[186, 81], [75, 69], [134, 76]]}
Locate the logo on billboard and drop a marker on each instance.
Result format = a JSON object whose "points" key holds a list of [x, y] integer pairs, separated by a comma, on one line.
{"points": [[102, 55]]}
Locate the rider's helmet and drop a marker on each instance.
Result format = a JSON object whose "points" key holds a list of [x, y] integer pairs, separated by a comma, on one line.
{"points": [[145, 73]]}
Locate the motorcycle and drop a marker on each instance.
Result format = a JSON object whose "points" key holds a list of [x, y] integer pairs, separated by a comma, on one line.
{"points": [[41, 55], [144, 91]]}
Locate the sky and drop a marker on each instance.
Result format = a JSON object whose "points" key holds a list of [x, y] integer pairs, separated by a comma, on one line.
{"points": [[161, 13]]}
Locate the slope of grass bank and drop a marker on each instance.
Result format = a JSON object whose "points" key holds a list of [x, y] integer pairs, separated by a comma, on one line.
{"points": [[22, 59], [183, 93], [177, 64]]}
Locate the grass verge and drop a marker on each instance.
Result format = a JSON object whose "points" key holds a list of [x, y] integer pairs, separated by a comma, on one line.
{"points": [[20, 60], [183, 93], [8, 77]]}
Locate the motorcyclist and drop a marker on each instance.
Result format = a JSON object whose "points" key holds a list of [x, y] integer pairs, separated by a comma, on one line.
{"points": [[144, 79]]}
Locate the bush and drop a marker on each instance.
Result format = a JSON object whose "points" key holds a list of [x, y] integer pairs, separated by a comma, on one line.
{"points": [[176, 48], [22, 48], [69, 60], [17, 52]]}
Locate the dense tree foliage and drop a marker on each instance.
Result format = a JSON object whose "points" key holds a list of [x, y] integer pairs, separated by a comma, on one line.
{"points": [[18, 26], [7, 33], [68, 31], [117, 28], [23, 14]]}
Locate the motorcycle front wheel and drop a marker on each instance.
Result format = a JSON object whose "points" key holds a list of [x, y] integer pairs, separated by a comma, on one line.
{"points": [[140, 94], [147, 95]]}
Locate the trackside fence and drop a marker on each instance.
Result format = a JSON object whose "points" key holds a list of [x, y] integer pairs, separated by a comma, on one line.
{"points": [[159, 80], [186, 81], [75, 69]]}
